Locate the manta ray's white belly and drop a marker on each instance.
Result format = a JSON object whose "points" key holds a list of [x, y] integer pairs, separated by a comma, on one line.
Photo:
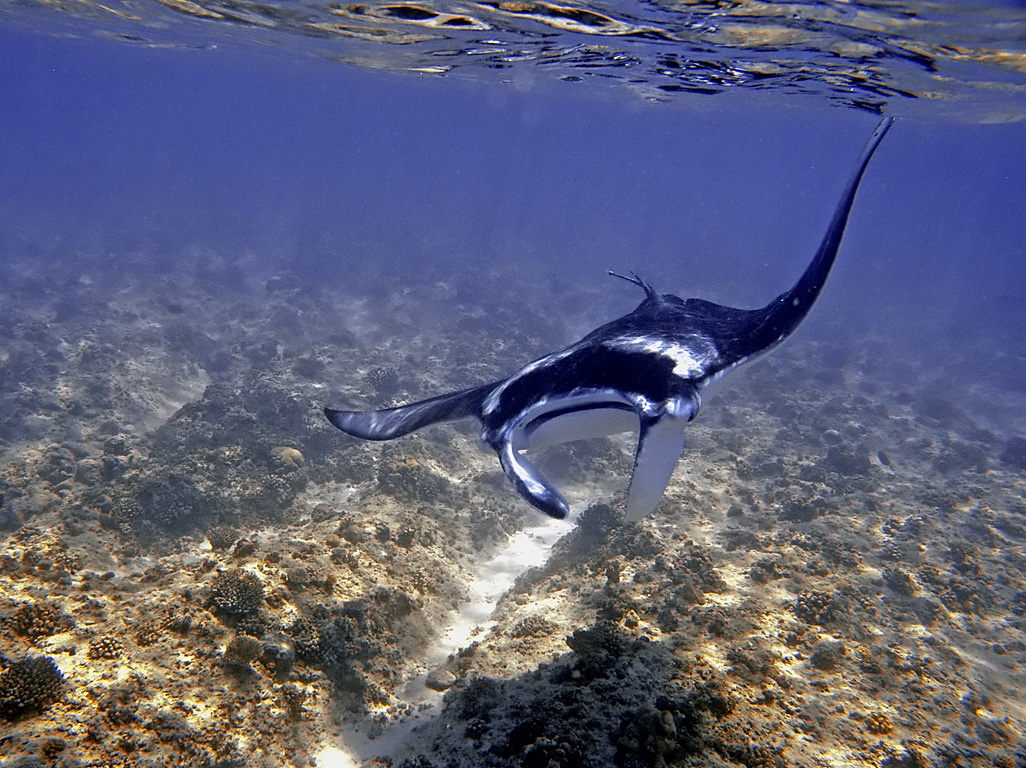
{"points": [[583, 417]]}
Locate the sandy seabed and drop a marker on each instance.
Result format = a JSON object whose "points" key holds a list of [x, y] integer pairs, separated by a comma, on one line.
{"points": [[834, 578]]}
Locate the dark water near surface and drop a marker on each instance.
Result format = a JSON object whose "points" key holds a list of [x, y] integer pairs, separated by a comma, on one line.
{"points": [[217, 217]]}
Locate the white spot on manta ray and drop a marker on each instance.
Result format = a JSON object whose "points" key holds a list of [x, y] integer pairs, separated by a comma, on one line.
{"points": [[688, 361]]}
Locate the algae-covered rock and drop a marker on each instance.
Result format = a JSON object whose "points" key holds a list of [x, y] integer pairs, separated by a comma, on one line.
{"points": [[174, 504]]}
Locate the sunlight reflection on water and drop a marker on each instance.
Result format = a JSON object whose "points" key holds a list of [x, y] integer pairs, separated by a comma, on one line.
{"points": [[955, 58]]}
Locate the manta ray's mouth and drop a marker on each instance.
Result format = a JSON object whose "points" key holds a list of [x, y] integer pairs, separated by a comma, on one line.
{"points": [[577, 418], [551, 422], [590, 415]]}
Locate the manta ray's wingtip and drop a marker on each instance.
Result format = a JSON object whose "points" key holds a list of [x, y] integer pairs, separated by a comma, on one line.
{"points": [[337, 418], [368, 425]]}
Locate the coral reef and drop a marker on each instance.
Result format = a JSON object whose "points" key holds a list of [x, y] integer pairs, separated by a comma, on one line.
{"points": [[38, 619], [616, 700], [197, 570], [222, 537], [173, 504], [384, 380], [106, 647], [816, 607], [29, 685], [237, 593], [242, 651]]}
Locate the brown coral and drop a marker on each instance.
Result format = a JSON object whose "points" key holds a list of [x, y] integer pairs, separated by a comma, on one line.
{"points": [[237, 593], [29, 685], [814, 607], [38, 619], [105, 647], [147, 634], [879, 723]]}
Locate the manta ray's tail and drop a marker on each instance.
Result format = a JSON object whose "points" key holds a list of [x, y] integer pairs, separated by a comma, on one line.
{"points": [[770, 325], [396, 422], [811, 282]]}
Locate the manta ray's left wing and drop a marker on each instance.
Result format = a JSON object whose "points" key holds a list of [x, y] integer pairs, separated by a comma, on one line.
{"points": [[742, 334], [396, 422]]}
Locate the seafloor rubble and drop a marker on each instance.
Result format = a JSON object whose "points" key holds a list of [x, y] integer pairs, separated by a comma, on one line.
{"points": [[196, 570]]}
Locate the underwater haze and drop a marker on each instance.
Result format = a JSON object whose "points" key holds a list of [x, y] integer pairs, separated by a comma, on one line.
{"points": [[217, 218]]}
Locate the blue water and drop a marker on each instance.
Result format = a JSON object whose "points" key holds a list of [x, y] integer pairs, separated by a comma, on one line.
{"points": [[328, 167]]}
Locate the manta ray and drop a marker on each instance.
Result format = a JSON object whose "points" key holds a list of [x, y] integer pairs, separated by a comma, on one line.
{"points": [[644, 371]]}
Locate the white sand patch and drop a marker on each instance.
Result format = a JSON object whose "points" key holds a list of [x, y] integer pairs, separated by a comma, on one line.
{"points": [[526, 549]]}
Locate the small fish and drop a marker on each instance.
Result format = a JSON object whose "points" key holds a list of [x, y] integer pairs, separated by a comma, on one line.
{"points": [[644, 371]]}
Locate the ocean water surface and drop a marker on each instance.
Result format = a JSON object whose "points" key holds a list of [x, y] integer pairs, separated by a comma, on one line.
{"points": [[217, 218]]}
